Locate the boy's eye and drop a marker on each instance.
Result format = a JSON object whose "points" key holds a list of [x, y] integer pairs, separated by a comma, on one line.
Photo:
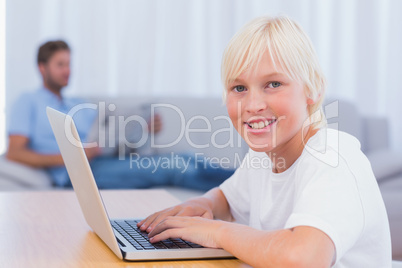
{"points": [[274, 84], [239, 89]]}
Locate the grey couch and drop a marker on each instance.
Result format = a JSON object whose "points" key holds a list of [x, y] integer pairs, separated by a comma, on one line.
{"points": [[218, 140], [190, 125]]}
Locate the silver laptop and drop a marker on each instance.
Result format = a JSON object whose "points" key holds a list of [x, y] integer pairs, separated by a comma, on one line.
{"points": [[121, 235]]}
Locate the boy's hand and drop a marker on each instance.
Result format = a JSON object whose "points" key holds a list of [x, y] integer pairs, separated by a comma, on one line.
{"points": [[198, 230], [195, 207]]}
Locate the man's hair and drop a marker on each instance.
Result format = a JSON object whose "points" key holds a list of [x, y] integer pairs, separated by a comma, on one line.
{"points": [[47, 50], [287, 45]]}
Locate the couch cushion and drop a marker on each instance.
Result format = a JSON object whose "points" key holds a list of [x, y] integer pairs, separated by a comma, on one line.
{"points": [[189, 125], [391, 190], [343, 115], [15, 176]]}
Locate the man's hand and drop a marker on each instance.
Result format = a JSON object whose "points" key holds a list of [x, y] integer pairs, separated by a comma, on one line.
{"points": [[155, 124], [92, 152]]}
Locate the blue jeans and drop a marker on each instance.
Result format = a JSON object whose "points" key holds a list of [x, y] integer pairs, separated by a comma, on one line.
{"points": [[158, 170]]}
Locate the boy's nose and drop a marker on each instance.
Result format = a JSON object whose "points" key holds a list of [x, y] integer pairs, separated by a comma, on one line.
{"points": [[255, 102]]}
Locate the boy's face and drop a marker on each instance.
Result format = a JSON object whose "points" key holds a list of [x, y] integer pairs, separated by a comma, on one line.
{"points": [[266, 107]]}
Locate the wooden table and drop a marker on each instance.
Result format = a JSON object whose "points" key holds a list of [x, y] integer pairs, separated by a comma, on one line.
{"points": [[47, 229]]}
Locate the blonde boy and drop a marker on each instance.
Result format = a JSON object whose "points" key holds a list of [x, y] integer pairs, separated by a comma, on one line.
{"points": [[318, 204]]}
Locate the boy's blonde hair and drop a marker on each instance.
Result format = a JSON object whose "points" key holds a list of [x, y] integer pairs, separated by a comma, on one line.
{"points": [[289, 46]]}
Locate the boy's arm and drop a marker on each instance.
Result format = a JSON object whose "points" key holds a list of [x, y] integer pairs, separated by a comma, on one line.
{"points": [[212, 204], [219, 204], [302, 246]]}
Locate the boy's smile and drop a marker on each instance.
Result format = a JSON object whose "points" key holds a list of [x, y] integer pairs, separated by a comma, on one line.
{"points": [[268, 109], [259, 125]]}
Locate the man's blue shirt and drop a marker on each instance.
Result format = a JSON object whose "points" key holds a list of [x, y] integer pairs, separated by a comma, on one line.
{"points": [[28, 118]]}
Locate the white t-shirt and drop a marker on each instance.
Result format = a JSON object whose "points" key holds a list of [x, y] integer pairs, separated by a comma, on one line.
{"points": [[331, 187]]}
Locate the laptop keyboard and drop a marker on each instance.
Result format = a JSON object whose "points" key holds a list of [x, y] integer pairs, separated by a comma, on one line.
{"points": [[139, 239]]}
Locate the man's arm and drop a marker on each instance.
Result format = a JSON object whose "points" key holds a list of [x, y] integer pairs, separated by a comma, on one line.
{"points": [[19, 151]]}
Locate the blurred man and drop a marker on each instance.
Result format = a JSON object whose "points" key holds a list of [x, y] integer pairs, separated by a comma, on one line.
{"points": [[31, 140]]}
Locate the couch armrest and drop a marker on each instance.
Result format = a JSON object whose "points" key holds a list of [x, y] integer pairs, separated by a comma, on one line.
{"points": [[385, 163], [14, 176], [376, 132]]}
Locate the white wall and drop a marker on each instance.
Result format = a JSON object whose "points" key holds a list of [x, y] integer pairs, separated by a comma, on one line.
{"points": [[2, 74], [159, 48]]}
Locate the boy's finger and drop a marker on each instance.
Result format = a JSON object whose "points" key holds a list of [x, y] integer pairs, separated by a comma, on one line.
{"points": [[164, 225], [161, 217], [171, 225], [208, 215], [170, 233], [144, 224], [191, 211]]}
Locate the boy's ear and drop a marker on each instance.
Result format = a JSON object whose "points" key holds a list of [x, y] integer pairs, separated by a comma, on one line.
{"points": [[310, 101]]}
